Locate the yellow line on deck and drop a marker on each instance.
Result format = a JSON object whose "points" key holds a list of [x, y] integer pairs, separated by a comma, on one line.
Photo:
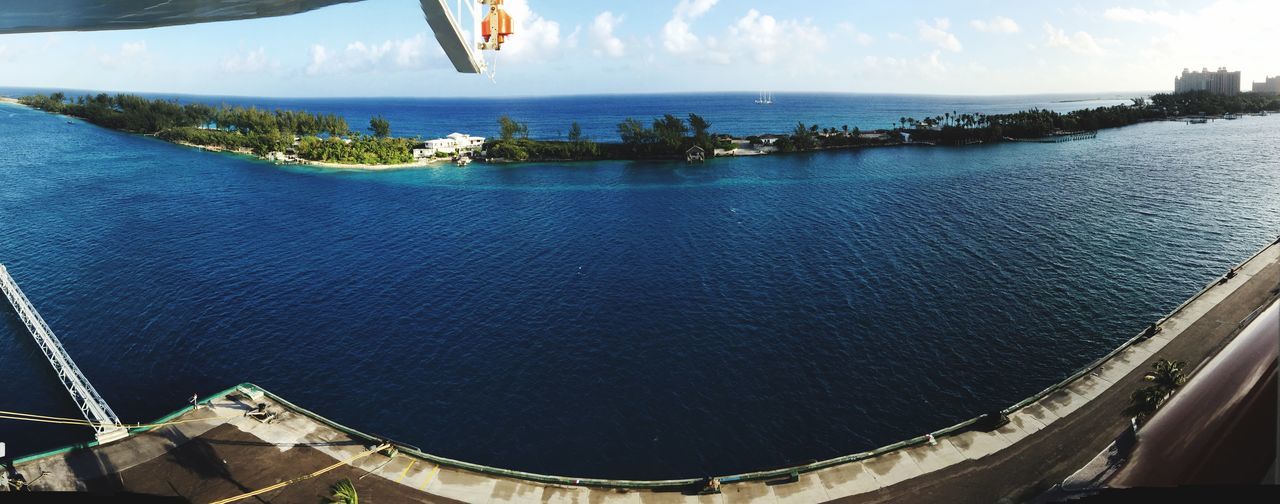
{"points": [[430, 477], [406, 470]]}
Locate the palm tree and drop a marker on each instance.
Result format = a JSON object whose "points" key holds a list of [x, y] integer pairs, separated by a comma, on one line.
{"points": [[344, 493], [1143, 402], [1165, 377]]}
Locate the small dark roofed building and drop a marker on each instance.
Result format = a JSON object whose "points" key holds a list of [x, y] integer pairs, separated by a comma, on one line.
{"points": [[695, 153]]}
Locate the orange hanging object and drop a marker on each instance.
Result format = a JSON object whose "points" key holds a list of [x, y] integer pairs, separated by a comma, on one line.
{"points": [[496, 26]]}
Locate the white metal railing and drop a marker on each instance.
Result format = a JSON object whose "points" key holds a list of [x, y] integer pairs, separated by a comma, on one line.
{"points": [[457, 29], [107, 424]]}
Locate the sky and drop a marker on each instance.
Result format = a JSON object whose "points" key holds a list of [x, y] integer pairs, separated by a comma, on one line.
{"points": [[383, 48]]}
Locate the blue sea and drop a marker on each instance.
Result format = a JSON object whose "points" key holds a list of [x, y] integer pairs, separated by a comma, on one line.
{"points": [[615, 319]]}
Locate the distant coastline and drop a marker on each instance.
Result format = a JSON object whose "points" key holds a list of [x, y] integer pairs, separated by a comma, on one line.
{"points": [[325, 141]]}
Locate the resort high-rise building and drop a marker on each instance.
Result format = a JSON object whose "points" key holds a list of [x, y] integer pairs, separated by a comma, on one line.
{"points": [[1270, 85], [1220, 82]]}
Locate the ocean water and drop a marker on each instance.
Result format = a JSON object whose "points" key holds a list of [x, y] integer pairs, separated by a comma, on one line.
{"points": [[617, 319]]}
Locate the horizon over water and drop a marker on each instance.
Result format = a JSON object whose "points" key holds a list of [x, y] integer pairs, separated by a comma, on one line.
{"points": [[615, 319], [549, 117]]}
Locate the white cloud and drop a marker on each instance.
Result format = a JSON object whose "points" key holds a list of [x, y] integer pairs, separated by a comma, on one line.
{"points": [[763, 39], [535, 39], [602, 35], [847, 29], [998, 24], [937, 33], [676, 35], [571, 42], [5, 53], [1079, 42], [51, 40], [1144, 16], [932, 65], [1160, 46], [1219, 33], [693, 9], [133, 49], [248, 62], [358, 57], [129, 53], [929, 66]]}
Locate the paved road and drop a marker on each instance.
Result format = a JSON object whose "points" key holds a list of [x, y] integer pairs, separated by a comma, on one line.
{"points": [[1039, 461]]}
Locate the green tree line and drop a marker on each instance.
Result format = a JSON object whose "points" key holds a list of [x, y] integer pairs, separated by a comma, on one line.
{"points": [[316, 137], [513, 144]]}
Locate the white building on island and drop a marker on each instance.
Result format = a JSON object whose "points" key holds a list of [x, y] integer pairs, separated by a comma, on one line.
{"points": [[452, 144], [1220, 82], [1268, 85]]}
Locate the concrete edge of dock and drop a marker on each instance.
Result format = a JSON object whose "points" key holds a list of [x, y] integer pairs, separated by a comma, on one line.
{"points": [[852, 474]]}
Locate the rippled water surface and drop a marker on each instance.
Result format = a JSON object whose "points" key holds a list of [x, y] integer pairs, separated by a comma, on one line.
{"points": [[614, 319]]}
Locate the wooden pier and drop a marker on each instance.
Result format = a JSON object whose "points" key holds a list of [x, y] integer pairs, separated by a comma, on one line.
{"points": [[1059, 137]]}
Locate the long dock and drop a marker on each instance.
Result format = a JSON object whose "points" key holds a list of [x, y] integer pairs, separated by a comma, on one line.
{"points": [[246, 438], [92, 406]]}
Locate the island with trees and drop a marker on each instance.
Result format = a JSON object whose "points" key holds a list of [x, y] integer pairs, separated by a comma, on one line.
{"points": [[327, 139], [320, 138], [671, 137]]}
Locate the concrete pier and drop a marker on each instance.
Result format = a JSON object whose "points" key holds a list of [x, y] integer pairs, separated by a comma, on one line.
{"points": [[218, 452]]}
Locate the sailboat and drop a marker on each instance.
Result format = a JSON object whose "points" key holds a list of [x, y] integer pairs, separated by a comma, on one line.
{"points": [[766, 98]]}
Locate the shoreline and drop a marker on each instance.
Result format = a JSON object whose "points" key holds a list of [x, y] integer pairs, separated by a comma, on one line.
{"points": [[427, 163], [212, 148], [749, 146]]}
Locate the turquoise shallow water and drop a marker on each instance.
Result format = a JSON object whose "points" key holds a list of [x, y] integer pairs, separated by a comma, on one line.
{"points": [[618, 319]]}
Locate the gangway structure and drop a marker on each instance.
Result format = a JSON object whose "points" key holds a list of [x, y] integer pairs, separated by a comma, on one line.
{"points": [[105, 422]]}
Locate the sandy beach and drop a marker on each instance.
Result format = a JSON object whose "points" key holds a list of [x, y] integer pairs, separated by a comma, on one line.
{"points": [[376, 167], [424, 163], [6, 99]]}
